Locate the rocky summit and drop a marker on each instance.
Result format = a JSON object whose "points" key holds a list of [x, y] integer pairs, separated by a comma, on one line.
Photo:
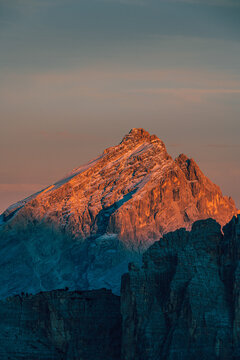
{"points": [[82, 231]]}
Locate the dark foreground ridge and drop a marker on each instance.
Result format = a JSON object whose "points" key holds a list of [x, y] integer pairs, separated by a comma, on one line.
{"points": [[183, 304], [59, 325]]}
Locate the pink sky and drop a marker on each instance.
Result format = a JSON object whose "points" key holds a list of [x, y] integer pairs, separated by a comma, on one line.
{"points": [[76, 76]]}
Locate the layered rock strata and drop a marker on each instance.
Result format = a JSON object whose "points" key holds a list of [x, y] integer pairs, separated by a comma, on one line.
{"points": [[184, 303], [82, 231]]}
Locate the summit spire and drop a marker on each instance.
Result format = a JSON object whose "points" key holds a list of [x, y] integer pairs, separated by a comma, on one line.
{"points": [[135, 135]]}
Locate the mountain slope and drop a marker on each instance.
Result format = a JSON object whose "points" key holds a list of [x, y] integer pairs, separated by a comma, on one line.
{"points": [[182, 303], [83, 230]]}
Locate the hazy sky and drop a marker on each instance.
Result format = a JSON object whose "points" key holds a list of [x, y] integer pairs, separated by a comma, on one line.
{"points": [[77, 75]]}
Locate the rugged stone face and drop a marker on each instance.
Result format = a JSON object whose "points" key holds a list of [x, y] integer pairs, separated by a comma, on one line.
{"points": [[82, 231], [135, 190], [184, 303], [61, 325]]}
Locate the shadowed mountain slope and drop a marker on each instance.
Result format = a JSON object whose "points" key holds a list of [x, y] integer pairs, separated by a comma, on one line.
{"points": [[83, 230], [61, 325], [184, 302]]}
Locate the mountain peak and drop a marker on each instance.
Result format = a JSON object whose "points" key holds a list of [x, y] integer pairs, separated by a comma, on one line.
{"points": [[182, 158], [136, 138], [136, 135], [103, 215], [139, 132]]}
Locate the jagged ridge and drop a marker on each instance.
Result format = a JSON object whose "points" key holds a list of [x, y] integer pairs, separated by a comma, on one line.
{"points": [[135, 189], [82, 231], [184, 302]]}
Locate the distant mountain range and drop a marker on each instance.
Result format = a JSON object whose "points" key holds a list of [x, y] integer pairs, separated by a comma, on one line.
{"points": [[82, 231]]}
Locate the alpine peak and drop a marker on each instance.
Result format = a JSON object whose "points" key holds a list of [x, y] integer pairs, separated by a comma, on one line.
{"points": [[137, 135], [76, 231]]}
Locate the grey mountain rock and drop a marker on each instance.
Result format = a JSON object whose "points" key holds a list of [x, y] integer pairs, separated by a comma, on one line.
{"points": [[183, 303], [82, 231]]}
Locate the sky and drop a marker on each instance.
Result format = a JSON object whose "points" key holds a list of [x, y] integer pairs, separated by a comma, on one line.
{"points": [[77, 75]]}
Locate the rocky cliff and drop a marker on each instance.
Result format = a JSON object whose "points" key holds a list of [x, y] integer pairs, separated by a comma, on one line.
{"points": [[82, 231], [61, 325], [184, 303]]}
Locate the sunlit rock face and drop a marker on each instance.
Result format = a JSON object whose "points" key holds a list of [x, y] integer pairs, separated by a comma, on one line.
{"points": [[184, 303], [82, 231], [61, 325]]}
